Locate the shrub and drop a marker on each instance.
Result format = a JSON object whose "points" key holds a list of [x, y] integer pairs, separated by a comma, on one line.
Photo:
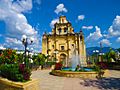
{"points": [[15, 72], [26, 72], [97, 68], [8, 56], [58, 66], [50, 63], [99, 71], [102, 65], [11, 72], [22, 68]]}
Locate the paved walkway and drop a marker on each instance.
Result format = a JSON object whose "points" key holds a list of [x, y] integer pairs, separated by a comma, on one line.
{"points": [[50, 82]]}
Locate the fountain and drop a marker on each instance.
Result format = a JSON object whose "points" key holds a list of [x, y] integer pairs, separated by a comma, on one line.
{"points": [[75, 60], [76, 69], [76, 63]]}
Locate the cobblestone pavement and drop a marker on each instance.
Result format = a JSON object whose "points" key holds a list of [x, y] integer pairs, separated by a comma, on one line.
{"points": [[50, 82]]}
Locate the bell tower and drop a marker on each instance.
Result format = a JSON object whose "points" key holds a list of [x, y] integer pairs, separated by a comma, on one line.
{"points": [[62, 27], [44, 43]]}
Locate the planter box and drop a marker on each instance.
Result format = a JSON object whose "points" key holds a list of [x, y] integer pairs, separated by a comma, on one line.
{"points": [[6, 84]]}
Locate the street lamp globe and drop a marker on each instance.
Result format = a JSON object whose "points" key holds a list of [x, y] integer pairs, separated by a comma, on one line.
{"points": [[27, 48], [31, 39], [24, 37], [97, 51], [31, 49]]}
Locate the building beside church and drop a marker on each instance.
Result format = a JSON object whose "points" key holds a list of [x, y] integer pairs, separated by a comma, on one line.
{"points": [[63, 42]]}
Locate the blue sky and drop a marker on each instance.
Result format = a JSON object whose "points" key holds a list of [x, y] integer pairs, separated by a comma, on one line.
{"points": [[98, 19]]}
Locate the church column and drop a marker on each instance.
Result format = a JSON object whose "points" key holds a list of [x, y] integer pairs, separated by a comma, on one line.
{"points": [[67, 49], [78, 43], [80, 48], [55, 43], [75, 44]]}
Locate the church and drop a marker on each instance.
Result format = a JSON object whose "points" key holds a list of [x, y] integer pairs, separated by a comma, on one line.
{"points": [[63, 43]]}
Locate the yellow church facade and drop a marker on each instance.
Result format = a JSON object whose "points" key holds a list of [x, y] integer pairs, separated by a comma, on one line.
{"points": [[63, 42]]}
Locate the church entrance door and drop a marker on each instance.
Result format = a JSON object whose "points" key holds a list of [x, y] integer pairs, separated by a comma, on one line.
{"points": [[63, 58]]}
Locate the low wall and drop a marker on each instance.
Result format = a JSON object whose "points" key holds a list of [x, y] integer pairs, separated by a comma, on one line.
{"points": [[6, 84]]}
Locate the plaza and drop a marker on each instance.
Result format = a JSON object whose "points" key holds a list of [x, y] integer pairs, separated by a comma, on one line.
{"points": [[50, 82], [59, 45]]}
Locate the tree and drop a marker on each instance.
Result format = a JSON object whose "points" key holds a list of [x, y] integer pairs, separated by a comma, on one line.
{"points": [[95, 57], [110, 55], [39, 59], [118, 49]]}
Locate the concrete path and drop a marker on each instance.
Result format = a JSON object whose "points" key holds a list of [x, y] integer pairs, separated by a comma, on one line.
{"points": [[50, 82]]}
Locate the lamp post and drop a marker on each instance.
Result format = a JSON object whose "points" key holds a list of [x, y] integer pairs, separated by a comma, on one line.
{"points": [[96, 52], [25, 42]]}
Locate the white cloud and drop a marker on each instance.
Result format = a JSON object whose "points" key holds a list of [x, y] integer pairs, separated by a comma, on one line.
{"points": [[14, 41], [60, 8], [21, 5], [87, 27], [106, 42], [16, 22], [81, 17], [2, 47], [118, 39], [114, 29], [53, 22], [95, 35], [50, 32], [105, 35]]}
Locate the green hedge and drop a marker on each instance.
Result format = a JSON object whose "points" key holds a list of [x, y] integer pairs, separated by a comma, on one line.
{"points": [[15, 72]]}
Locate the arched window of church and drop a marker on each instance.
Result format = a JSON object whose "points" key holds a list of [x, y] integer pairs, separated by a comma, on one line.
{"points": [[65, 30], [62, 47], [59, 30], [62, 20], [72, 45], [81, 37], [53, 46]]}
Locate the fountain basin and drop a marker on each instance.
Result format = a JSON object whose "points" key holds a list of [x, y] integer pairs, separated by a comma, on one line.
{"points": [[73, 69], [72, 74]]}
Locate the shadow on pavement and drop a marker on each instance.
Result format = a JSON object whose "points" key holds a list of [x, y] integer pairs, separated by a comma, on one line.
{"points": [[104, 83]]}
